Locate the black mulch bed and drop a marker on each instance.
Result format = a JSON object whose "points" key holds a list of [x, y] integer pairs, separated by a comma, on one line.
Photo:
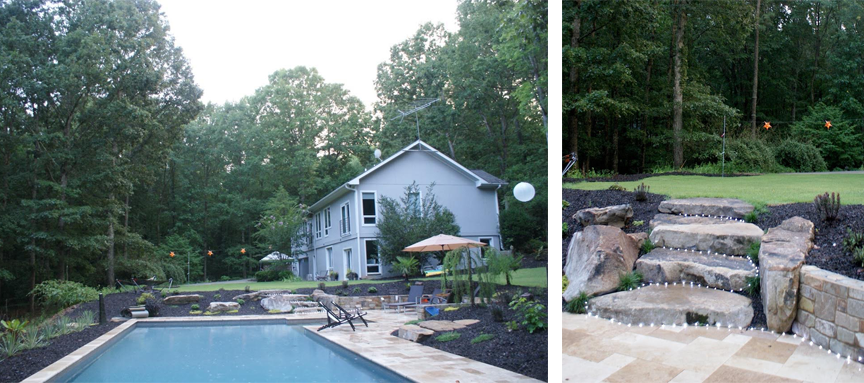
{"points": [[518, 351], [828, 253], [639, 176]]}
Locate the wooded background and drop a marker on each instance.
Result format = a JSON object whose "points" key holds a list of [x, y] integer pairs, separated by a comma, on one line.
{"points": [[109, 161], [647, 84]]}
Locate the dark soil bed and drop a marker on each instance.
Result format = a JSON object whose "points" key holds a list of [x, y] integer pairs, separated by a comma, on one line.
{"points": [[518, 351]]}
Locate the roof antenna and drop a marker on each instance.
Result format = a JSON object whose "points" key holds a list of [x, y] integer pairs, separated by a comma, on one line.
{"points": [[418, 105]]}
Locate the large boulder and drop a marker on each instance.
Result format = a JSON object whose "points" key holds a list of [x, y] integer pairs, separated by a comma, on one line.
{"points": [[676, 304], [596, 259], [732, 238], [258, 295], [324, 298], [725, 207], [674, 219], [282, 303], [181, 299], [216, 307], [414, 333], [441, 325], [617, 215], [781, 256], [667, 265]]}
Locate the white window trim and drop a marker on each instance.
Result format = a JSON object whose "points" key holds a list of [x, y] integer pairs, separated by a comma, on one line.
{"points": [[345, 220], [318, 225], [328, 221], [366, 257], [346, 265], [363, 215], [328, 253]]}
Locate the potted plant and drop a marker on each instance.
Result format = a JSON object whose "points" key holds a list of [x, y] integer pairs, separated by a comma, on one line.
{"points": [[351, 275], [334, 276]]}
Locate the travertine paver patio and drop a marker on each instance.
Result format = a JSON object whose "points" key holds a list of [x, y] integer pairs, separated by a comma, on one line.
{"points": [[412, 360], [597, 350]]}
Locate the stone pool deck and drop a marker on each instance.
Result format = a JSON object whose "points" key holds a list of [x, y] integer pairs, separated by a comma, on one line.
{"points": [[414, 361], [597, 350]]}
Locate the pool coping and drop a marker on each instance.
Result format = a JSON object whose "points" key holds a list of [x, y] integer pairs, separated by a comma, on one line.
{"points": [[71, 360]]}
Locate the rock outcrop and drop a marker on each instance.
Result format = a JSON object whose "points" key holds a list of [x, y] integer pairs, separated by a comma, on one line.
{"points": [[666, 265], [181, 299], [596, 259], [781, 257], [732, 238], [725, 207], [617, 215]]}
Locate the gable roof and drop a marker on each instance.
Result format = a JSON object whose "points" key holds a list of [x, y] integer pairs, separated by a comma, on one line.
{"points": [[481, 178]]}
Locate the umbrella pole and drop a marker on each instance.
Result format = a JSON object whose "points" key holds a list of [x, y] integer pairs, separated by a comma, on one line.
{"points": [[470, 287]]}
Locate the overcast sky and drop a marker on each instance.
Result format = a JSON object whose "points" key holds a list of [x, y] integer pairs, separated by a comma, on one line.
{"points": [[233, 48]]}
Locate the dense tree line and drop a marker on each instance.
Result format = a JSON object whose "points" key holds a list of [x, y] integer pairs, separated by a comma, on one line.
{"points": [[647, 84], [110, 162]]}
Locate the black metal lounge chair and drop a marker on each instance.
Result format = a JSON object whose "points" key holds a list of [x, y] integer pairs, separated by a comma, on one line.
{"points": [[414, 296], [334, 319]]}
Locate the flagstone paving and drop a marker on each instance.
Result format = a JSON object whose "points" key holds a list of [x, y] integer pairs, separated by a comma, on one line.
{"points": [[597, 350], [414, 361]]}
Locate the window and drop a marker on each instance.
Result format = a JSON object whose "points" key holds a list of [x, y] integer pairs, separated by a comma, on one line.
{"points": [[373, 265], [414, 203], [326, 221], [488, 242], [347, 261], [369, 212], [317, 225], [329, 258], [345, 220]]}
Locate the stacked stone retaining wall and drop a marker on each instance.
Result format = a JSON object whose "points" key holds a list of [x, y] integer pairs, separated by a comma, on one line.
{"points": [[831, 311]]}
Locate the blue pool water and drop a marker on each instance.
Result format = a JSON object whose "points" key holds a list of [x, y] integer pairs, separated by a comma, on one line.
{"points": [[206, 352]]}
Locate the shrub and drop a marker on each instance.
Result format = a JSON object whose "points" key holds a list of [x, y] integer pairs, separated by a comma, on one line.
{"points": [[839, 146], [217, 296], [532, 314], [175, 292], [451, 308], [15, 328], [497, 314], [858, 256], [828, 207], [753, 253], [630, 281], [482, 338], [372, 290], [647, 246], [142, 299], [415, 321], [564, 228], [565, 283], [195, 307], [512, 325], [746, 155], [356, 290], [577, 305], [344, 285], [564, 204], [62, 294], [753, 285], [152, 307], [33, 339], [321, 286], [448, 336], [9, 346], [617, 187], [503, 264], [273, 274], [641, 192], [225, 278], [799, 156], [751, 217], [241, 302], [853, 240], [638, 223]]}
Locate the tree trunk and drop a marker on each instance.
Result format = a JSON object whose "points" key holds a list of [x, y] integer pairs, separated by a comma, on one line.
{"points": [[574, 84], [677, 93], [126, 228], [33, 237], [470, 287], [110, 271], [63, 251], [615, 147], [755, 73]]}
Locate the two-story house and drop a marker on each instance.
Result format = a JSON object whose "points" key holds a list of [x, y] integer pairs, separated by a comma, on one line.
{"points": [[342, 229]]}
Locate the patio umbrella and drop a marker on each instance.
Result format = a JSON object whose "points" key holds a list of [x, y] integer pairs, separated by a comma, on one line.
{"points": [[444, 242]]}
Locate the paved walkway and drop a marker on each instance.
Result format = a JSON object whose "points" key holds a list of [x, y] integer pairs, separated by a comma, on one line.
{"points": [[596, 350], [412, 360]]}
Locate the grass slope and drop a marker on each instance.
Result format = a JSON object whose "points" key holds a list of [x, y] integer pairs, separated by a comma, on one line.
{"points": [[534, 277], [769, 189]]}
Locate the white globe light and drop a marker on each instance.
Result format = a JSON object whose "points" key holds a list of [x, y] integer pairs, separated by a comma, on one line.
{"points": [[378, 153], [523, 191]]}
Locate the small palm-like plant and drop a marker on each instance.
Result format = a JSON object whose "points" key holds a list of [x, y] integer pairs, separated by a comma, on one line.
{"points": [[753, 253], [827, 206], [578, 305], [754, 285], [642, 192], [406, 266], [647, 246], [15, 328]]}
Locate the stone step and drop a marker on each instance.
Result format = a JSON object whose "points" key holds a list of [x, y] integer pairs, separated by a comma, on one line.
{"points": [[713, 270], [676, 304], [726, 207], [675, 219], [732, 238]]}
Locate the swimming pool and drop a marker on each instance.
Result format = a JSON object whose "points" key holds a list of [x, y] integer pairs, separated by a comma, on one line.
{"points": [[236, 351]]}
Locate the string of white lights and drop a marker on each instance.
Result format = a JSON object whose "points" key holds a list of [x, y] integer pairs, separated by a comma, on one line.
{"points": [[713, 216]]}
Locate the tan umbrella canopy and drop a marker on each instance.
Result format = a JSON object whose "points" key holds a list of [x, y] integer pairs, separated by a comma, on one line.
{"points": [[442, 242]]}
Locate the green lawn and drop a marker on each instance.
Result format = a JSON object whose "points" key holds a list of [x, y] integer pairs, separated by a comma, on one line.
{"points": [[535, 277], [769, 189]]}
